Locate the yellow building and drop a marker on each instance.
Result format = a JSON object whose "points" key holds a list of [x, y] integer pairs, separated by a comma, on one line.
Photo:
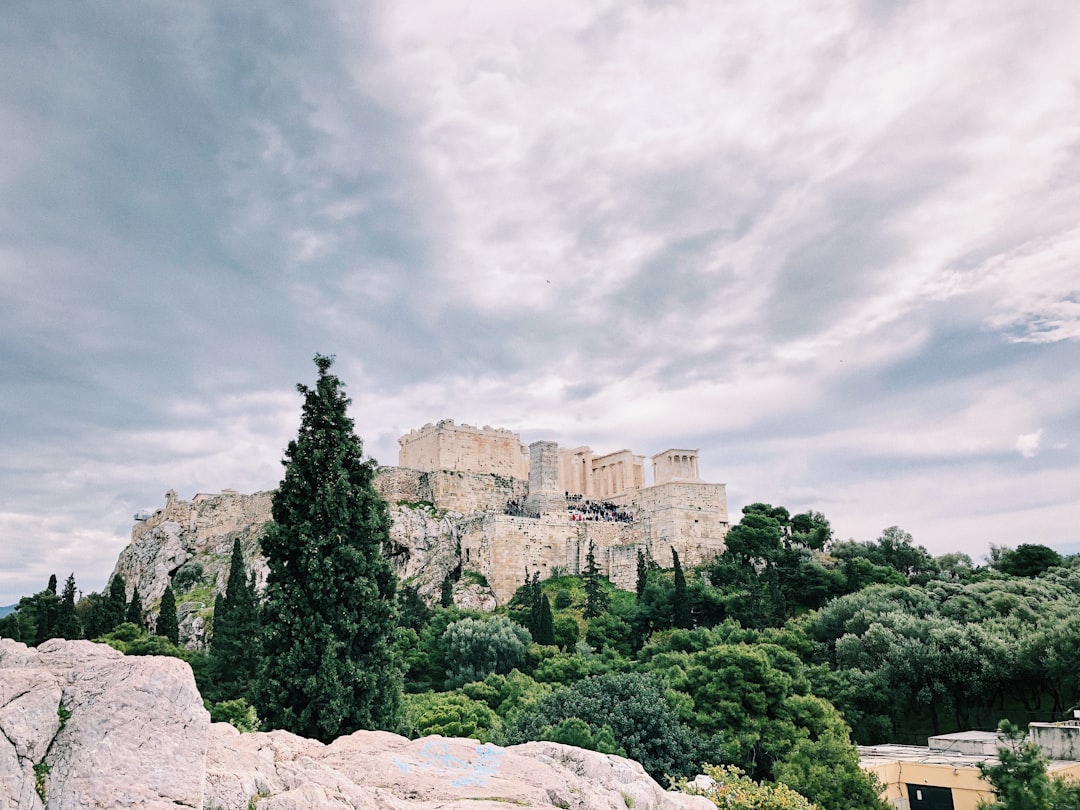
{"points": [[944, 775]]}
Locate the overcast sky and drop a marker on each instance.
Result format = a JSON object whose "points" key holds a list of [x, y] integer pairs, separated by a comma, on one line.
{"points": [[834, 245]]}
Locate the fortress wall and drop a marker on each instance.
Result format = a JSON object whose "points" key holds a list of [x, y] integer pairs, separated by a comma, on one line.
{"points": [[503, 547], [475, 492], [210, 515], [453, 491], [464, 448], [691, 516], [396, 484]]}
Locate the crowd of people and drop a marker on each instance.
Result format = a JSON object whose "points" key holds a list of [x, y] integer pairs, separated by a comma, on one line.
{"points": [[582, 509], [579, 508]]}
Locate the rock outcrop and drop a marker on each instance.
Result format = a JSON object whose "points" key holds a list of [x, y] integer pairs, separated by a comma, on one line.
{"points": [[84, 726], [189, 544]]}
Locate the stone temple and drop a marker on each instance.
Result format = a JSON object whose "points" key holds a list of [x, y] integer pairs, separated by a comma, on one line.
{"points": [[540, 508]]}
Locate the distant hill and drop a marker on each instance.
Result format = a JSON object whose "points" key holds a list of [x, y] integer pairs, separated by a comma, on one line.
{"points": [[6, 609]]}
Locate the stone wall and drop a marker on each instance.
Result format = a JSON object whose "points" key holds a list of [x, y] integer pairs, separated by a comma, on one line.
{"points": [[502, 548], [464, 448], [691, 516], [449, 490]]}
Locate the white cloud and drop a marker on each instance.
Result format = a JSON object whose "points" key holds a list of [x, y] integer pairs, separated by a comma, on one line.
{"points": [[1027, 444]]}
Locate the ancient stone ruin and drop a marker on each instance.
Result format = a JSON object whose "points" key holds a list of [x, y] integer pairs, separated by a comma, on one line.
{"points": [[463, 500], [539, 509]]}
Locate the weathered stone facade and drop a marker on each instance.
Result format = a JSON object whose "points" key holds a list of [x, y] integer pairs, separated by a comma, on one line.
{"points": [[464, 448]]}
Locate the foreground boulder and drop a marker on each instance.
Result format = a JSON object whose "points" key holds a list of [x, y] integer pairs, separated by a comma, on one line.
{"points": [[84, 726]]}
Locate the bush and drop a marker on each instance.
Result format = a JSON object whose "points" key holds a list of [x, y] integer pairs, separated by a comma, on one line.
{"points": [[187, 576], [476, 648]]}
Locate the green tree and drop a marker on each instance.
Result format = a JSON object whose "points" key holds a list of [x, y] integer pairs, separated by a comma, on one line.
{"points": [[115, 607], [596, 599], [642, 574], [680, 604], [327, 664], [477, 648], [545, 625], [167, 624], [1020, 780], [450, 714], [446, 592], [134, 612], [67, 619], [46, 609], [637, 709], [1027, 560], [236, 626]]}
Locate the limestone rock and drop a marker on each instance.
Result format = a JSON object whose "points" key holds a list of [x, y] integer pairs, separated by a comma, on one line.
{"points": [[371, 769], [194, 539], [423, 547], [134, 734], [134, 731]]}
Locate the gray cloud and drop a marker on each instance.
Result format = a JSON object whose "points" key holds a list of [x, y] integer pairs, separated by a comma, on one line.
{"points": [[834, 249]]}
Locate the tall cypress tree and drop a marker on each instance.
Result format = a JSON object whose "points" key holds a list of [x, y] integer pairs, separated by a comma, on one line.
{"points": [[596, 600], [327, 664], [46, 608], [680, 606], [67, 620], [235, 630], [167, 624], [134, 609], [642, 574], [115, 605]]}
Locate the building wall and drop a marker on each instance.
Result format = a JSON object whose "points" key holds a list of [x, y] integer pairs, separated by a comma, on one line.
{"points": [[464, 448], [691, 516]]}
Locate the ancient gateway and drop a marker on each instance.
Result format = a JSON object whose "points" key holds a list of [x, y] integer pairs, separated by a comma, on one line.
{"points": [[540, 508]]}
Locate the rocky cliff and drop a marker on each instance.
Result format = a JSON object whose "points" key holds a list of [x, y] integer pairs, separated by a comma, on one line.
{"points": [[189, 544], [83, 726]]}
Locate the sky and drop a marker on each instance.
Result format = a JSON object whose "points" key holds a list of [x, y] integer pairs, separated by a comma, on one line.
{"points": [[835, 246]]}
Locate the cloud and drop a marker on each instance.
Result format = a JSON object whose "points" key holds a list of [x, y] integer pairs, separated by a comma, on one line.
{"points": [[834, 247], [1027, 444]]}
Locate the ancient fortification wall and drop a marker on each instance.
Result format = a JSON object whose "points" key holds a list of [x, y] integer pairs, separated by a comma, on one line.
{"points": [[464, 448], [503, 548], [454, 491]]}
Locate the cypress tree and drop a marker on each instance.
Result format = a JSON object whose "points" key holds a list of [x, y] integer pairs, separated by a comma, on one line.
{"points": [[545, 626], [680, 606], [446, 592], [115, 606], [51, 587], [235, 630], [67, 620], [46, 608], [642, 574], [595, 598], [535, 595], [134, 609], [167, 624], [328, 618]]}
